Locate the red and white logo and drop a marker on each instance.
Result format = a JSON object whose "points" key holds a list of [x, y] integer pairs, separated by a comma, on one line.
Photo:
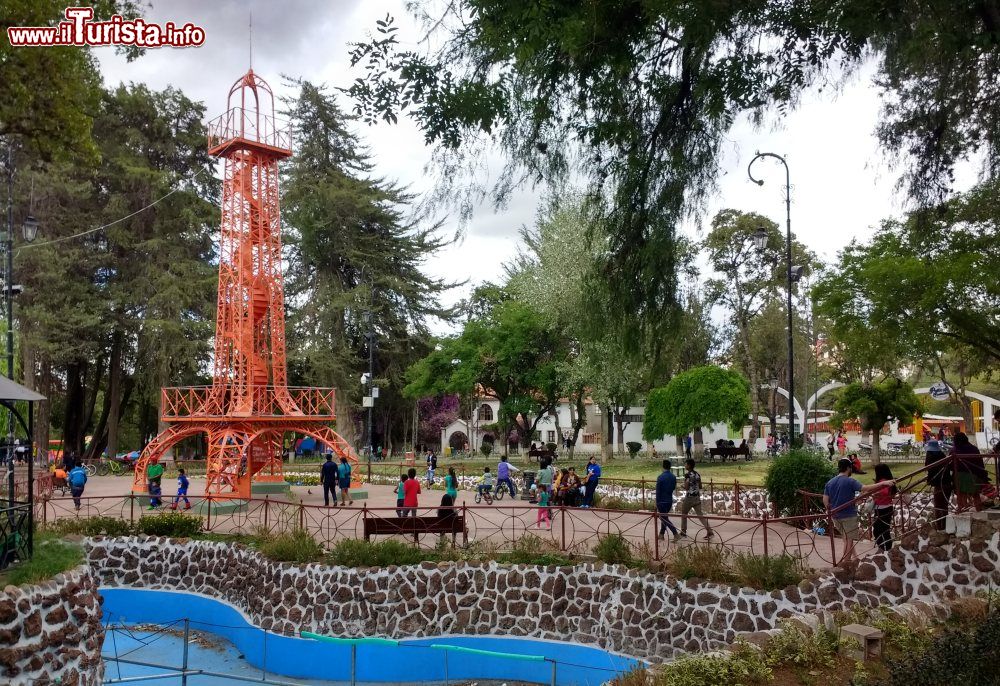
{"points": [[80, 29]]}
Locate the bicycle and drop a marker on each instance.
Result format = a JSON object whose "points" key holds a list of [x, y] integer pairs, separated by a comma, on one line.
{"points": [[483, 494], [501, 488]]}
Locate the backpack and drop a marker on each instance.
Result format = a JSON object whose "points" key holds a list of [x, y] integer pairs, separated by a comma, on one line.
{"points": [[77, 477]]}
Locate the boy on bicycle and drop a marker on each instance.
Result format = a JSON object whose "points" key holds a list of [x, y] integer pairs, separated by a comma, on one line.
{"points": [[485, 483]]}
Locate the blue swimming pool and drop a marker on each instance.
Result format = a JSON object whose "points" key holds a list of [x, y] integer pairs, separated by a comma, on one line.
{"points": [[412, 661]]}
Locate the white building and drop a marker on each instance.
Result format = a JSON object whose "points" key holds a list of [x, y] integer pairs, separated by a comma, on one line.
{"points": [[549, 430]]}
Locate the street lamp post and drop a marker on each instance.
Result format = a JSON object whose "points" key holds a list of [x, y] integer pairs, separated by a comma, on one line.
{"points": [[788, 257], [30, 231]]}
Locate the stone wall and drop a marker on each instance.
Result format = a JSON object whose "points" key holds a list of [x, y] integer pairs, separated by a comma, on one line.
{"points": [[645, 615], [51, 632]]}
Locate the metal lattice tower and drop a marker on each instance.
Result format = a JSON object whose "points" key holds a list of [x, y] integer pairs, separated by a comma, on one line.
{"points": [[249, 406]]}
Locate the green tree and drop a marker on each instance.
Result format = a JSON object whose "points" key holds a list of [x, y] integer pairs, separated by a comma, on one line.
{"points": [[354, 253], [874, 404], [639, 97], [119, 313], [698, 397], [51, 94], [511, 354]]}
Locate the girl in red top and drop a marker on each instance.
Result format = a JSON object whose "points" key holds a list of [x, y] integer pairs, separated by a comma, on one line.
{"points": [[882, 523], [411, 489]]}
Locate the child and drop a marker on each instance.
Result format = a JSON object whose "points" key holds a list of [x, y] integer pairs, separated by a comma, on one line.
{"points": [[486, 483], [882, 522], [182, 491], [400, 492], [544, 515]]}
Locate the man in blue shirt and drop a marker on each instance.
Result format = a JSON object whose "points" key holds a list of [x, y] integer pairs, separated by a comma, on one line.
{"points": [[77, 479], [666, 484], [687, 446], [590, 483], [328, 478], [504, 470], [839, 495]]}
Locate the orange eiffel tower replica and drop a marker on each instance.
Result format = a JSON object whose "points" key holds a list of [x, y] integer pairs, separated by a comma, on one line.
{"points": [[249, 407]]}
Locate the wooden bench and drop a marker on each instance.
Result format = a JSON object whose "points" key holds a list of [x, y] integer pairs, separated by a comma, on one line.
{"points": [[392, 526], [537, 455], [725, 453]]}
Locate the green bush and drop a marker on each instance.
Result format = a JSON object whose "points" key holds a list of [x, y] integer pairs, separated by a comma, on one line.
{"points": [[293, 546], [767, 571], [550, 446], [744, 666], [613, 549], [954, 657], [808, 650], [356, 553], [633, 448], [532, 550], [796, 470], [172, 524], [701, 562], [51, 556], [486, 449], [92, 526]]}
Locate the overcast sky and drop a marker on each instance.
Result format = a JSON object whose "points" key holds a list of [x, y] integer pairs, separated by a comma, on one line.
{"points": [[841, 184]]}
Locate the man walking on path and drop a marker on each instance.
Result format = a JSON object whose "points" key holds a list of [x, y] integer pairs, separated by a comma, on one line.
{"points": [[328, 478], [666, 484], [842, 490], [590, 483], [687, 446], [77, 479], [432, 464], [692, 500]]}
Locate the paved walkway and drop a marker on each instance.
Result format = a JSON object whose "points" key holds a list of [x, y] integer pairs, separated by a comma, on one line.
{"points": [[497, 525]]}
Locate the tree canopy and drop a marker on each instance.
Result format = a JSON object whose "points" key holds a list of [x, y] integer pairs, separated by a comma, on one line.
{"points": [[639, 98], [874, 404], [696, 398]]}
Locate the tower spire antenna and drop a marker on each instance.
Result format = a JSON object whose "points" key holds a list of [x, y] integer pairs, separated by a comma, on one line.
{"points": [[251, 37]]}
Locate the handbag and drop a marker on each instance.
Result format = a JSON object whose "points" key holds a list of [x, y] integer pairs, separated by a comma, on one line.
{"points": [[867, 508]]}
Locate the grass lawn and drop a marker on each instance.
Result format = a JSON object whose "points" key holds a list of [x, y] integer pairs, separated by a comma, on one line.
{"points": [[747, 473], [52, 556]]}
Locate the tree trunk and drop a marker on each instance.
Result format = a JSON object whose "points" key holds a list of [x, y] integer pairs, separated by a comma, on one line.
{"points": [[876, 446], [680, 445], [620, 430], [967, 417], [699, 441], [73, 424], [605, 433]]}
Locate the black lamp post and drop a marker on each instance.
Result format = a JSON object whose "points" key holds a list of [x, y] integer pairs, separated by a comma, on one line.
{"points": [[30, 231], [760, 240]]}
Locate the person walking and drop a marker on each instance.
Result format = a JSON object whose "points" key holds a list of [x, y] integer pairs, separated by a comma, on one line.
{"points": [[154, 473], [432, 463], [831, 445], [328, 479], [970, 473], [182, 491], [940, 478], [400, 493], [692, 500], [841, 443], [344, 481], [77, 479], [666, 484], [504, 471], [544, 514], [451, 484], [688, 444], [411, 489], [590, 481], [882, 522], [838, 499]]}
